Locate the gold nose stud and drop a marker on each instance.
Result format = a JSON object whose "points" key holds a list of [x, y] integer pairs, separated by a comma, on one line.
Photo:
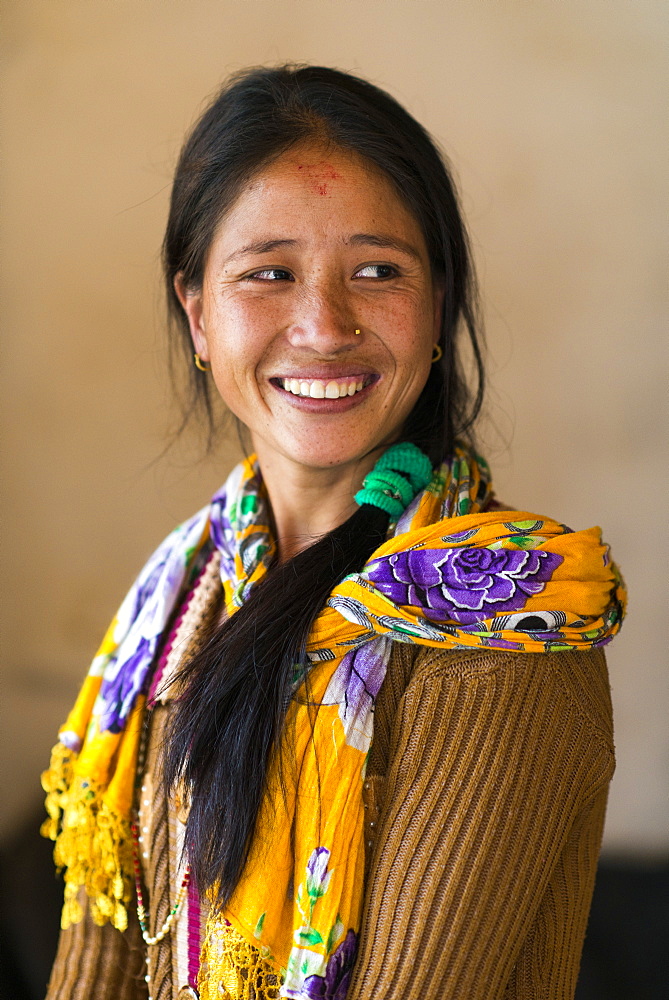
{"points": [[358, 332]]}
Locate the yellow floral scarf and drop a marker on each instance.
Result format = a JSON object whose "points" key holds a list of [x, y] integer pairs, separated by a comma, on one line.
{"points": [[455, 573]]}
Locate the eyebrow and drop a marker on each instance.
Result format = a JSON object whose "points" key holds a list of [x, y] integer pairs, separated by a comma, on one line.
{"points": [[359, 239], [262, 246], [381, 240]]}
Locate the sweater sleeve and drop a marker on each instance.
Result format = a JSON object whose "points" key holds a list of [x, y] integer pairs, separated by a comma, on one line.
{"points": [[99, 962], [493, 802]]}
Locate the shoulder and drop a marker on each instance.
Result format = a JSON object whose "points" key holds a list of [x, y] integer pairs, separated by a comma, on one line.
{"points": [[571, 683], [520, 713], [493, 719]]}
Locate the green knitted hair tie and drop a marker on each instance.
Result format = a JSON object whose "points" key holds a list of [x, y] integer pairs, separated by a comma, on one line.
{"points": [[378, 498], [392, 483], [398, 476], [410, 460]]}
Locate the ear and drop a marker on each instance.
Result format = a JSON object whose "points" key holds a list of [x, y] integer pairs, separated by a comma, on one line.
{"points": [[191, 303], [438, 293]]}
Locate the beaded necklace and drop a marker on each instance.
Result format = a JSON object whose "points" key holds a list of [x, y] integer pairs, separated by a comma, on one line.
{"points": [[137, 839]]}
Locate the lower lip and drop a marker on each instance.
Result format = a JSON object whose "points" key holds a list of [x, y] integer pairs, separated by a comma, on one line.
{"points": [[311, 405]]}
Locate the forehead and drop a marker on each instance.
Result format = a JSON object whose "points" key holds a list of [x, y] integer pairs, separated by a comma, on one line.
{"points": [[319, 189]]}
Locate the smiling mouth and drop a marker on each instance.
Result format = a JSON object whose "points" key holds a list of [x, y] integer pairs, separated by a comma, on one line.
{"points": [[315, 388]]}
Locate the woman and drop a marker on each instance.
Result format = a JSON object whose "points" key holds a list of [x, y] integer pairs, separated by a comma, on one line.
{"points": [[349, 735]]}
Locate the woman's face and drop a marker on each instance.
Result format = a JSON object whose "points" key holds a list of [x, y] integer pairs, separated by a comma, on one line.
{"points": [[317, 246]]}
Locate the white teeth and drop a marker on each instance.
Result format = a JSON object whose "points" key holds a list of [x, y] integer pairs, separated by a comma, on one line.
{"points": [[317, 389]]}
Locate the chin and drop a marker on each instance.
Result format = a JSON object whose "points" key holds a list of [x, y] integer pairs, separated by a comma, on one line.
{"points": [[329, 458]]}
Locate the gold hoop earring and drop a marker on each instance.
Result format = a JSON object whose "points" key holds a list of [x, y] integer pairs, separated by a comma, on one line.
{"points": [[199, 364], [436, 353], [358, 332]]}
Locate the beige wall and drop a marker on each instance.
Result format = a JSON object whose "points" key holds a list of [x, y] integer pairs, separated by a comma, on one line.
{"points": [[551, 113]]}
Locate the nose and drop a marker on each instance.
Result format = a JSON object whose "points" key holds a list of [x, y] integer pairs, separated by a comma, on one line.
{"points": [[324, 320]]}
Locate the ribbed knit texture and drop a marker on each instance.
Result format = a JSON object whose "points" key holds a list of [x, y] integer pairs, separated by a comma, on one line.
{"points": [[496, 770], [99, 963], [485, 799]]}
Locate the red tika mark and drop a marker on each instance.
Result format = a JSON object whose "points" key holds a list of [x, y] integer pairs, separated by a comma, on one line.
{"points": [[321, 172]]}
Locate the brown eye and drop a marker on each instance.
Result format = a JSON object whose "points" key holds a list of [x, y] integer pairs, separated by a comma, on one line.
{"points": [[271, 274], [376, 271]]}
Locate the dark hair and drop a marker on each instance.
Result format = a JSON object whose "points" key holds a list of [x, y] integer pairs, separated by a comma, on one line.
{"points": [[238, 686]]}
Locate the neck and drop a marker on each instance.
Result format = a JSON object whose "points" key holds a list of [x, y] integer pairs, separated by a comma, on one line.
{"points": [[308, 503]]}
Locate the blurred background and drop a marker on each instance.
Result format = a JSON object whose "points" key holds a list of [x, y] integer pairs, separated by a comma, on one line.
{"points": [[553, 115]]}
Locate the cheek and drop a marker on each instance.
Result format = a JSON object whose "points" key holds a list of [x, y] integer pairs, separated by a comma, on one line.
{"points": [[226, 334], [225, 383], [241, 325], [237, 343], [410, 332], [233, 367]]}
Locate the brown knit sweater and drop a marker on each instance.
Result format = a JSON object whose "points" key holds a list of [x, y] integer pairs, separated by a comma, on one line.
{"points": [[485, 800]]}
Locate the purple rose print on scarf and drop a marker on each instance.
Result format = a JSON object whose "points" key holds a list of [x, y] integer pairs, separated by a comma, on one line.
{"points": [[221, 531], [146, 585], [118, 692], [318, 876], [361, 673], [466, 585], [354, 686], [141, 620], [334, 985]]}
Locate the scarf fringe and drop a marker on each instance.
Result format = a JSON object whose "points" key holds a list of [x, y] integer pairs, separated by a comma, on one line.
{"points": [[93, 843], [231, 968]]}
